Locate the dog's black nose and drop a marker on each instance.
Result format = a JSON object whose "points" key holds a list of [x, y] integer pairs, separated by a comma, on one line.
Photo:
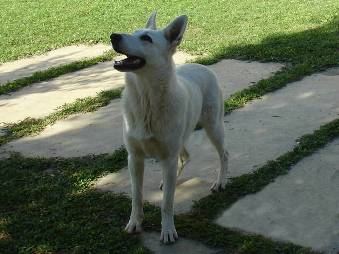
{"points": [[115, 38]]}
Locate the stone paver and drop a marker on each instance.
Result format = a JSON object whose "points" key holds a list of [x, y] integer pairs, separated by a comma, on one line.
{"points": [[101, 131], [26, 67], [301, 207], [43, 98], [235, 75], [151, 241], [261, 131]]}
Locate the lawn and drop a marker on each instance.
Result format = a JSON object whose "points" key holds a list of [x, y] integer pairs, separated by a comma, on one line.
{"points": [[30, 27], [47, 205]]}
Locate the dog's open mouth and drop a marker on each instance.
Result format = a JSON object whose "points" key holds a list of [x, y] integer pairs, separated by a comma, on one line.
{"points": [[129, 64]]}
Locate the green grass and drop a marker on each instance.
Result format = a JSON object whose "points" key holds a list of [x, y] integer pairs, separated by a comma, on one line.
{"points": [[54, 72], [48, 206], [31, 27]]}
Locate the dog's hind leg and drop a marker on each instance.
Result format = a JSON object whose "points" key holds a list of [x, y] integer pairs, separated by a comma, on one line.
{"points": [[184, 158], [215, 132]]}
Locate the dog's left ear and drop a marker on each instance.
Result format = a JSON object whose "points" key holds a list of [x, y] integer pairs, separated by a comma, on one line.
{"points": [[151, 21], [175, 30]]}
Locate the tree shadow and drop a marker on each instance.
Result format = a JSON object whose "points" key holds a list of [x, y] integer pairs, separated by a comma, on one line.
{"points": [[46, 207], [318, 46]]}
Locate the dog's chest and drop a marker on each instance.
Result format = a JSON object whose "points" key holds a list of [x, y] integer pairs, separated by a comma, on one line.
{"points": [[150, 146], [143, 135]]}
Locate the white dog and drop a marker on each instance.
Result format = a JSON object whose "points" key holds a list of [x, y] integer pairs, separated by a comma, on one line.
{"points": [[162, 105]]}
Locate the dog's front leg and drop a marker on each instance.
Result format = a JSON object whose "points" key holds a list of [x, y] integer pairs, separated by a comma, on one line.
{"points": [[136, 168], [168, 232]]}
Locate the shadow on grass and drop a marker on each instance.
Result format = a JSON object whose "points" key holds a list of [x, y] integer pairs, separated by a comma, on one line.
{"points": [[305, 52], [47, 207], [318, 47]]}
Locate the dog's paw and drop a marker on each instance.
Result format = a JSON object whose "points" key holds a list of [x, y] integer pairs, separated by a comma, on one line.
{"points": [[168, 235], [218, 186], [133, 226]]}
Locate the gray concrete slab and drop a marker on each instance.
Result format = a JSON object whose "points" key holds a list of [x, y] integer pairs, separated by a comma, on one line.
{"points": [[261, 131], [301, 207], [68, 138], [235, 75], [151, 241], [189, 187], [101, 131], [25, 67], [43, 98]]}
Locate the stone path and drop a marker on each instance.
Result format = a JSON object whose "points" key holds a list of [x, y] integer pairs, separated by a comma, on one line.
{"points": [[261, 131], [101, 131], [301, 207], [151, 241], [43, 98], [26, 67]]}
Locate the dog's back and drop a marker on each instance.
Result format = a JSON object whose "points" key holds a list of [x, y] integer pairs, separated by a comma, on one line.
{"points": [[197, 76]]}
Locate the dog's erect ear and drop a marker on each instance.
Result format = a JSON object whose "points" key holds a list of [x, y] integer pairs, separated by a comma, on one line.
{"points": [[175, 30], [151, 21]]}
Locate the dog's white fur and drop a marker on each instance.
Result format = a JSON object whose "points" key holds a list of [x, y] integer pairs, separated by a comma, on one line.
{"points": [[162, 105]]}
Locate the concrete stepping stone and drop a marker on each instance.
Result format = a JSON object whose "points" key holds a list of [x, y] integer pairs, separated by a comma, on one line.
{"points": [[301, 207], [151, 241], [261, 131], [25, 67], [101, 131], [43, 98]]}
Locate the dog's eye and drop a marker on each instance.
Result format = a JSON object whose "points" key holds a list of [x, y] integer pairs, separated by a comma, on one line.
{"points": [[145, 37]]}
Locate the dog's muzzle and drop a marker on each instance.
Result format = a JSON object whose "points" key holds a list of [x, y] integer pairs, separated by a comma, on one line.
{"points": [[115, 39], [130, 63]]}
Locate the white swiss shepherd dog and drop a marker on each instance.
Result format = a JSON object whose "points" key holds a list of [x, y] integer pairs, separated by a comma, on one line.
{"points": [[162, 105]]}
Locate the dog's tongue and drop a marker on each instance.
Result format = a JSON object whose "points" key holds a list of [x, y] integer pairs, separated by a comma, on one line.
{"points": [[129, 64], [131, 60]]}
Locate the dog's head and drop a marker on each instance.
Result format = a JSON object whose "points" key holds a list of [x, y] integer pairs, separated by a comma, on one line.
{"points": [[148, 47]]}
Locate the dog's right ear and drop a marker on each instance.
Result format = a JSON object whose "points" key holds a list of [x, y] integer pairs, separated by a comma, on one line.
{"points": [[151, 21]]}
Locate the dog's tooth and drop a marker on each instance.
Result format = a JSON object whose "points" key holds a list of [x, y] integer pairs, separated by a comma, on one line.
{"points": [[117, 62]]}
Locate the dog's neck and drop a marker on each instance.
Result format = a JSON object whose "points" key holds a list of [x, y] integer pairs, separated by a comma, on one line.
{"points": [[156, 82], [153, 91]]}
